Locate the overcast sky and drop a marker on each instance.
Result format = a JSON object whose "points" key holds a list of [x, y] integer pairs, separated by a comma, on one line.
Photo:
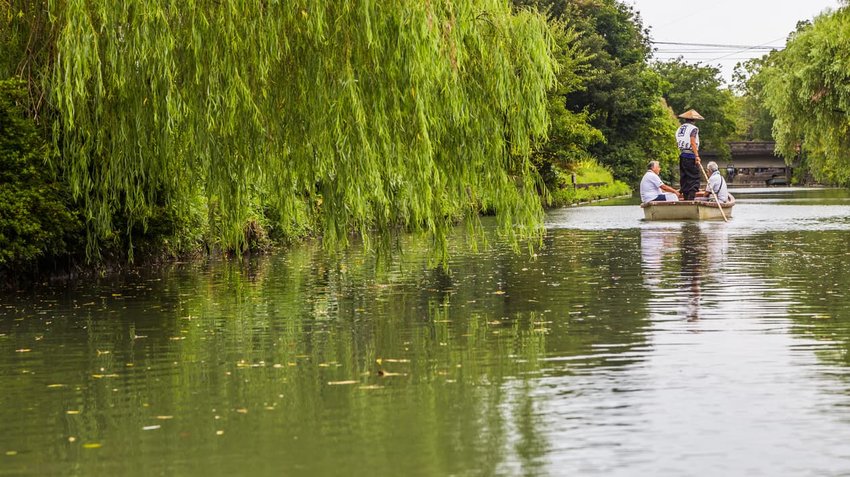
{"points": [[723, 22]]}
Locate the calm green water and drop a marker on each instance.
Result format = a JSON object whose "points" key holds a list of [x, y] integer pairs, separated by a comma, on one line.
{"points": [[624, 348]]}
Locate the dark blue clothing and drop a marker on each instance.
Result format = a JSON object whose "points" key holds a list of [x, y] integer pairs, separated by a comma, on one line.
{"points": [[688, 175]]}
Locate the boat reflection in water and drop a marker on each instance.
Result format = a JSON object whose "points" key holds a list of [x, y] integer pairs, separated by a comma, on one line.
{"points": [[700, 253]]}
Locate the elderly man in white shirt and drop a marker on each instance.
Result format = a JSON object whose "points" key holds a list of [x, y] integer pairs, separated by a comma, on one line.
{"points": [[653, 188], [716, 184]]}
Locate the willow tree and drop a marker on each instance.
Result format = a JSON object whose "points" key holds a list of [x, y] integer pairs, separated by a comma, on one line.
{"points": [[358, 115], [805, 88]]}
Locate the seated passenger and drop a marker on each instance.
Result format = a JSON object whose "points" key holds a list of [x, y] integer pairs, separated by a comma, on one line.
{"points": [[652, 188], [716, 184]]}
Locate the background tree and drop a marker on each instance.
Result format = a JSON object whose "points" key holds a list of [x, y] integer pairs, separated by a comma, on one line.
{"points": [[620, 94], [695, 86], [570, 134], [27, 48], [35, 220], [755, 121], [805, 88]]}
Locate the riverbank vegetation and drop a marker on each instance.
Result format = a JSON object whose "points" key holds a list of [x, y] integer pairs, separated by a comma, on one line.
{"points": [[586, 181], [158, 129], [805, 90], [327, 118]]}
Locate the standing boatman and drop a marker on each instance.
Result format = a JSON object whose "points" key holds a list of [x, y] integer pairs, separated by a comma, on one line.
{"points": [[687, 138]]}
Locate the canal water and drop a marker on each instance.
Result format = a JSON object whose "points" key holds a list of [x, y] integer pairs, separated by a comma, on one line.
{"points": [[623, 347]]}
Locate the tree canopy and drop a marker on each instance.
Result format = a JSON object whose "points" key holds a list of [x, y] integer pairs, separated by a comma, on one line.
{"points": [[755, 121], [700, 87], [805, 88], [615, 106], [346, 116]]}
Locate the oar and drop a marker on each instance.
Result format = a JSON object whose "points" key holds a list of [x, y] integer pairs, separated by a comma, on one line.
{"points": [[713, 194]]}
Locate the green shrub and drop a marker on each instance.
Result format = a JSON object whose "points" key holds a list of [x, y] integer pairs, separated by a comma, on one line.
{"points": [[586, 171], [35, 221]]}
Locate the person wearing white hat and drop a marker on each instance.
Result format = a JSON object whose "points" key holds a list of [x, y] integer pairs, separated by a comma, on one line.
{"points": [[687, 138]]}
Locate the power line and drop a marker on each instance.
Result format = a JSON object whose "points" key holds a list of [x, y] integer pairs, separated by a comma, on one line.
{"points": [[717, 45], [745, 49]]}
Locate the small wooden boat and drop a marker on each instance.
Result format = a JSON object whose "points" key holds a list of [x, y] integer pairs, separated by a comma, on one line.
{"points": [[687, 210]]}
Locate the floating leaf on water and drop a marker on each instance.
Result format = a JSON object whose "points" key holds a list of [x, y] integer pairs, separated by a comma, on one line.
{"points": [[242, 410], [55, 386], [99, 352], [151, 428], [219, 432], [277, 365], [72, 439], [336, 383], [499, 292], [370, 386], [388, 374], [400, 360], [162, 418], [72, 412], [11, 453], [23, 350], [92, 445]]}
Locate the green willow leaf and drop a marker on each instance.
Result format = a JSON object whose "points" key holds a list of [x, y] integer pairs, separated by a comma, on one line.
{"points": [[354, 115]]}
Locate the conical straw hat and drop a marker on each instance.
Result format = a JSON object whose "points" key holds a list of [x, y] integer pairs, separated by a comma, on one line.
{"points": [[691, 114]]}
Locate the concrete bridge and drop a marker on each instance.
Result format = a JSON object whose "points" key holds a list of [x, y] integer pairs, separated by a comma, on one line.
{"points": [[753, 163]]}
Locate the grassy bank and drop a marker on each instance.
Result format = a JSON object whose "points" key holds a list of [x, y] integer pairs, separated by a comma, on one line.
{"points": [[586, 172]]}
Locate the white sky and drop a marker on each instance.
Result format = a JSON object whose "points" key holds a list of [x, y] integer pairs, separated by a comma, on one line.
{"points": [[726, 22]]}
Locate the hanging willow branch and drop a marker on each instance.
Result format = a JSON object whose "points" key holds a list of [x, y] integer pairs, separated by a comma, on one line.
{"points": [[363, 115], [806, 89]]}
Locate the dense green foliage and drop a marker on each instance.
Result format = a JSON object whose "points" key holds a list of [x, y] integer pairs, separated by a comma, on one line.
{"points": [[35, 221], [586, 172], [700, 87], [622, 93], [331, 116], [615, 93], [231, 124], [754, 121], [805, 88], [570, 133]]}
